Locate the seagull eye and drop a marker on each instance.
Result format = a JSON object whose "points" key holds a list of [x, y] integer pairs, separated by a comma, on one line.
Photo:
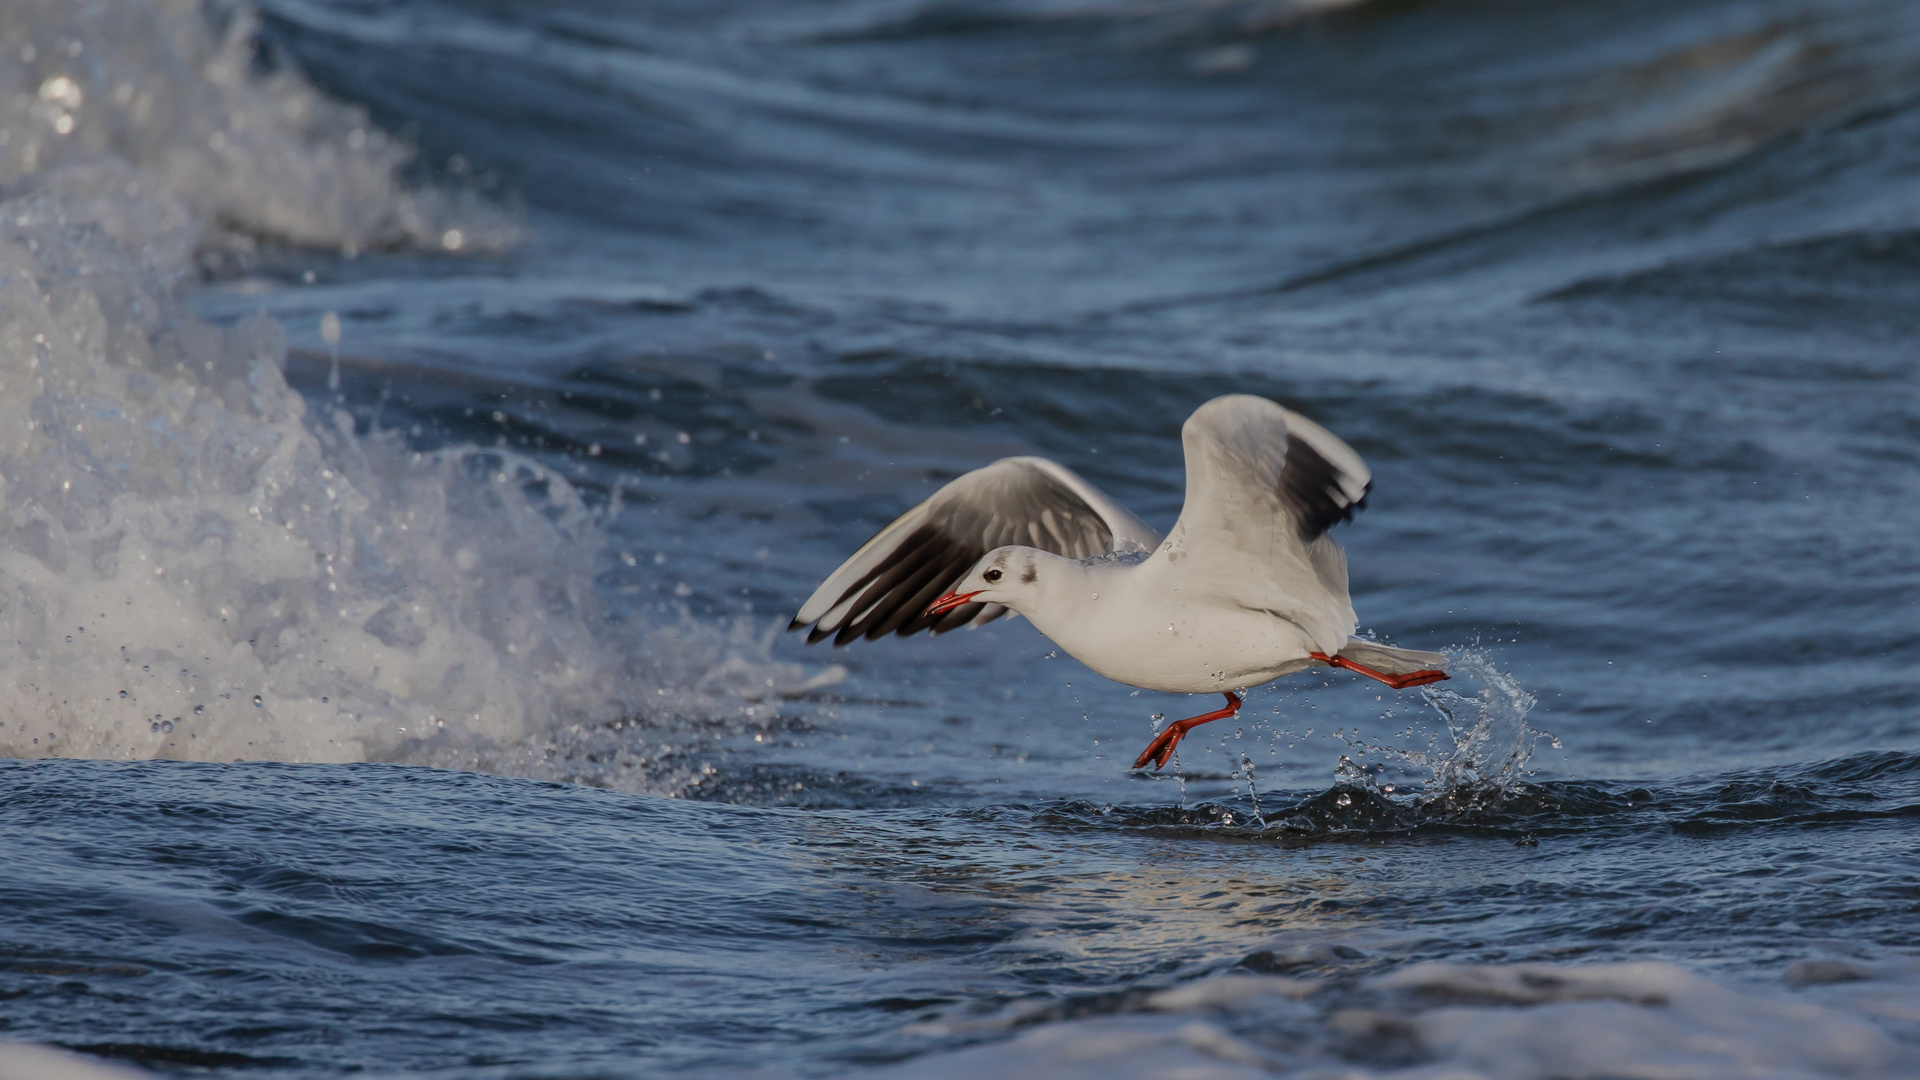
{"points": [[992, 575]]}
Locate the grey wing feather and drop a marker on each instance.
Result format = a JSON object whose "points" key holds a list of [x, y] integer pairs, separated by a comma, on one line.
{"points": [[885, 586]]}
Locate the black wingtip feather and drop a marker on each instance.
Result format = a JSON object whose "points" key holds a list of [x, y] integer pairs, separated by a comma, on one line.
{"points": [[1311, 485]]}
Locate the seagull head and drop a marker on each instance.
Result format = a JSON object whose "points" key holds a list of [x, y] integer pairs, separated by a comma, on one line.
{"points": [[1008, 576]]}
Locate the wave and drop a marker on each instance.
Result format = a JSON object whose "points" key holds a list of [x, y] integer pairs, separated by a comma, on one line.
{"points": [[1521, 1021], [150, 95], [198, 562], [1145, 21], [1878, 786]]}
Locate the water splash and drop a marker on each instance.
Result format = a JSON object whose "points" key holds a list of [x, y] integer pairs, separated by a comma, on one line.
{"points": [[1479, 776], [1253, 791], [195, 563], [144, 97], [1487, 751], [180, 533], [1492, 742]]}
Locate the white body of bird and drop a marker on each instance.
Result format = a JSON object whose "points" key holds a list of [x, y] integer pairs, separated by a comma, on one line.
{"points": [[1246, 588], [1148, 623]]}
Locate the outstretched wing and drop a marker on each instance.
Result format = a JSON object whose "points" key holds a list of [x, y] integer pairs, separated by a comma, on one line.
{"points": [[1264, 484], [886, 586]]}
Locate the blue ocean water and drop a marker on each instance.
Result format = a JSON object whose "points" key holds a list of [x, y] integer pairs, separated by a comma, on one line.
{"points": [[418, 421]]}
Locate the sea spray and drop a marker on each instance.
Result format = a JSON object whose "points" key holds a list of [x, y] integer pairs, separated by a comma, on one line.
{"points": [[173, 96], [180, 535], [1492, 742], [197, 563], [1488, 745]]}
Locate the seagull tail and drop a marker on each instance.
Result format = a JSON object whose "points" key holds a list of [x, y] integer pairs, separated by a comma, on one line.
{"points": [[1389, 660], [1398, 668]]}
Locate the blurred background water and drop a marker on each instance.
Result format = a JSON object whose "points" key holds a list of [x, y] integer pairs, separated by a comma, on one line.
{"points": [[419, 419]]}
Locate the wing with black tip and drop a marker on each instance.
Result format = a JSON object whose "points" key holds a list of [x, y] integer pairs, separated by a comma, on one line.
{"points": [[887, 584], [1264, 484]]}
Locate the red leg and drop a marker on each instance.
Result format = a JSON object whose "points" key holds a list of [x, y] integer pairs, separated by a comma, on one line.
{"points": [[1162, 747], [1398, 682]]}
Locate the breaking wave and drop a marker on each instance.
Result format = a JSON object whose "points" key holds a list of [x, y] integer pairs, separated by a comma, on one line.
{"points": [[195, 561]]}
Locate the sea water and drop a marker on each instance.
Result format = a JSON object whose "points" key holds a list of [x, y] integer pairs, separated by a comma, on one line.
{"points": [[418, 422]]}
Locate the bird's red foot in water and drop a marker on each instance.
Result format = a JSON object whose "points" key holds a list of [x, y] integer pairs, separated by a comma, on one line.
{"points": [[1398, 682], [1161, 748]]}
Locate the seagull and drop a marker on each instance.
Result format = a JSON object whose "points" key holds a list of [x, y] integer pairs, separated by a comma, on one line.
{"points": [[1247, 588]]}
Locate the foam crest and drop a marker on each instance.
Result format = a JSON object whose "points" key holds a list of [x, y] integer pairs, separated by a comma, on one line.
{"points": [[194, 564], [1515, 1022], [197, 568], [166, 95]]}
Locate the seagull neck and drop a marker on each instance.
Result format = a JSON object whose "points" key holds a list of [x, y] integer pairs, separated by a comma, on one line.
{"points": [[1067, 592]]}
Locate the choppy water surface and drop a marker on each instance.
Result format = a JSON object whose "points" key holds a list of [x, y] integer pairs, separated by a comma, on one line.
{"points": [[418, 419]]}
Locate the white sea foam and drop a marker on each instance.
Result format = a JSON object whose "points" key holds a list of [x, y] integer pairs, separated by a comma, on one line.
{"points": [[24, 1061], [1643, 1019], [192, 564], [149, 95]]}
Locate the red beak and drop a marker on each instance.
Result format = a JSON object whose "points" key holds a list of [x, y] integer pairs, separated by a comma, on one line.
{"points": [[950, 601]]}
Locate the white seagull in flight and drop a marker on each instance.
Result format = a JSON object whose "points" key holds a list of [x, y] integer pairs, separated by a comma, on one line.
{"points": [[1246, 588]]}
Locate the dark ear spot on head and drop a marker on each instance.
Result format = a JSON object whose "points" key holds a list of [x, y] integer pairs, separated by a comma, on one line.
{"points": [[1027, 575]]}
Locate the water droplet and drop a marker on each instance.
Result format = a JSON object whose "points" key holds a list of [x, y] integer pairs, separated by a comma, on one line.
{"points": [[69, 639], [123, 693], [61, 90], [1343, 800], [199, 710], [1388, 788], [167, 725], [256, 701], [153, 725]]}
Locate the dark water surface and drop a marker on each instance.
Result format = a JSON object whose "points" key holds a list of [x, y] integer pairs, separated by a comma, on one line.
{"points": [[473, 553]]}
